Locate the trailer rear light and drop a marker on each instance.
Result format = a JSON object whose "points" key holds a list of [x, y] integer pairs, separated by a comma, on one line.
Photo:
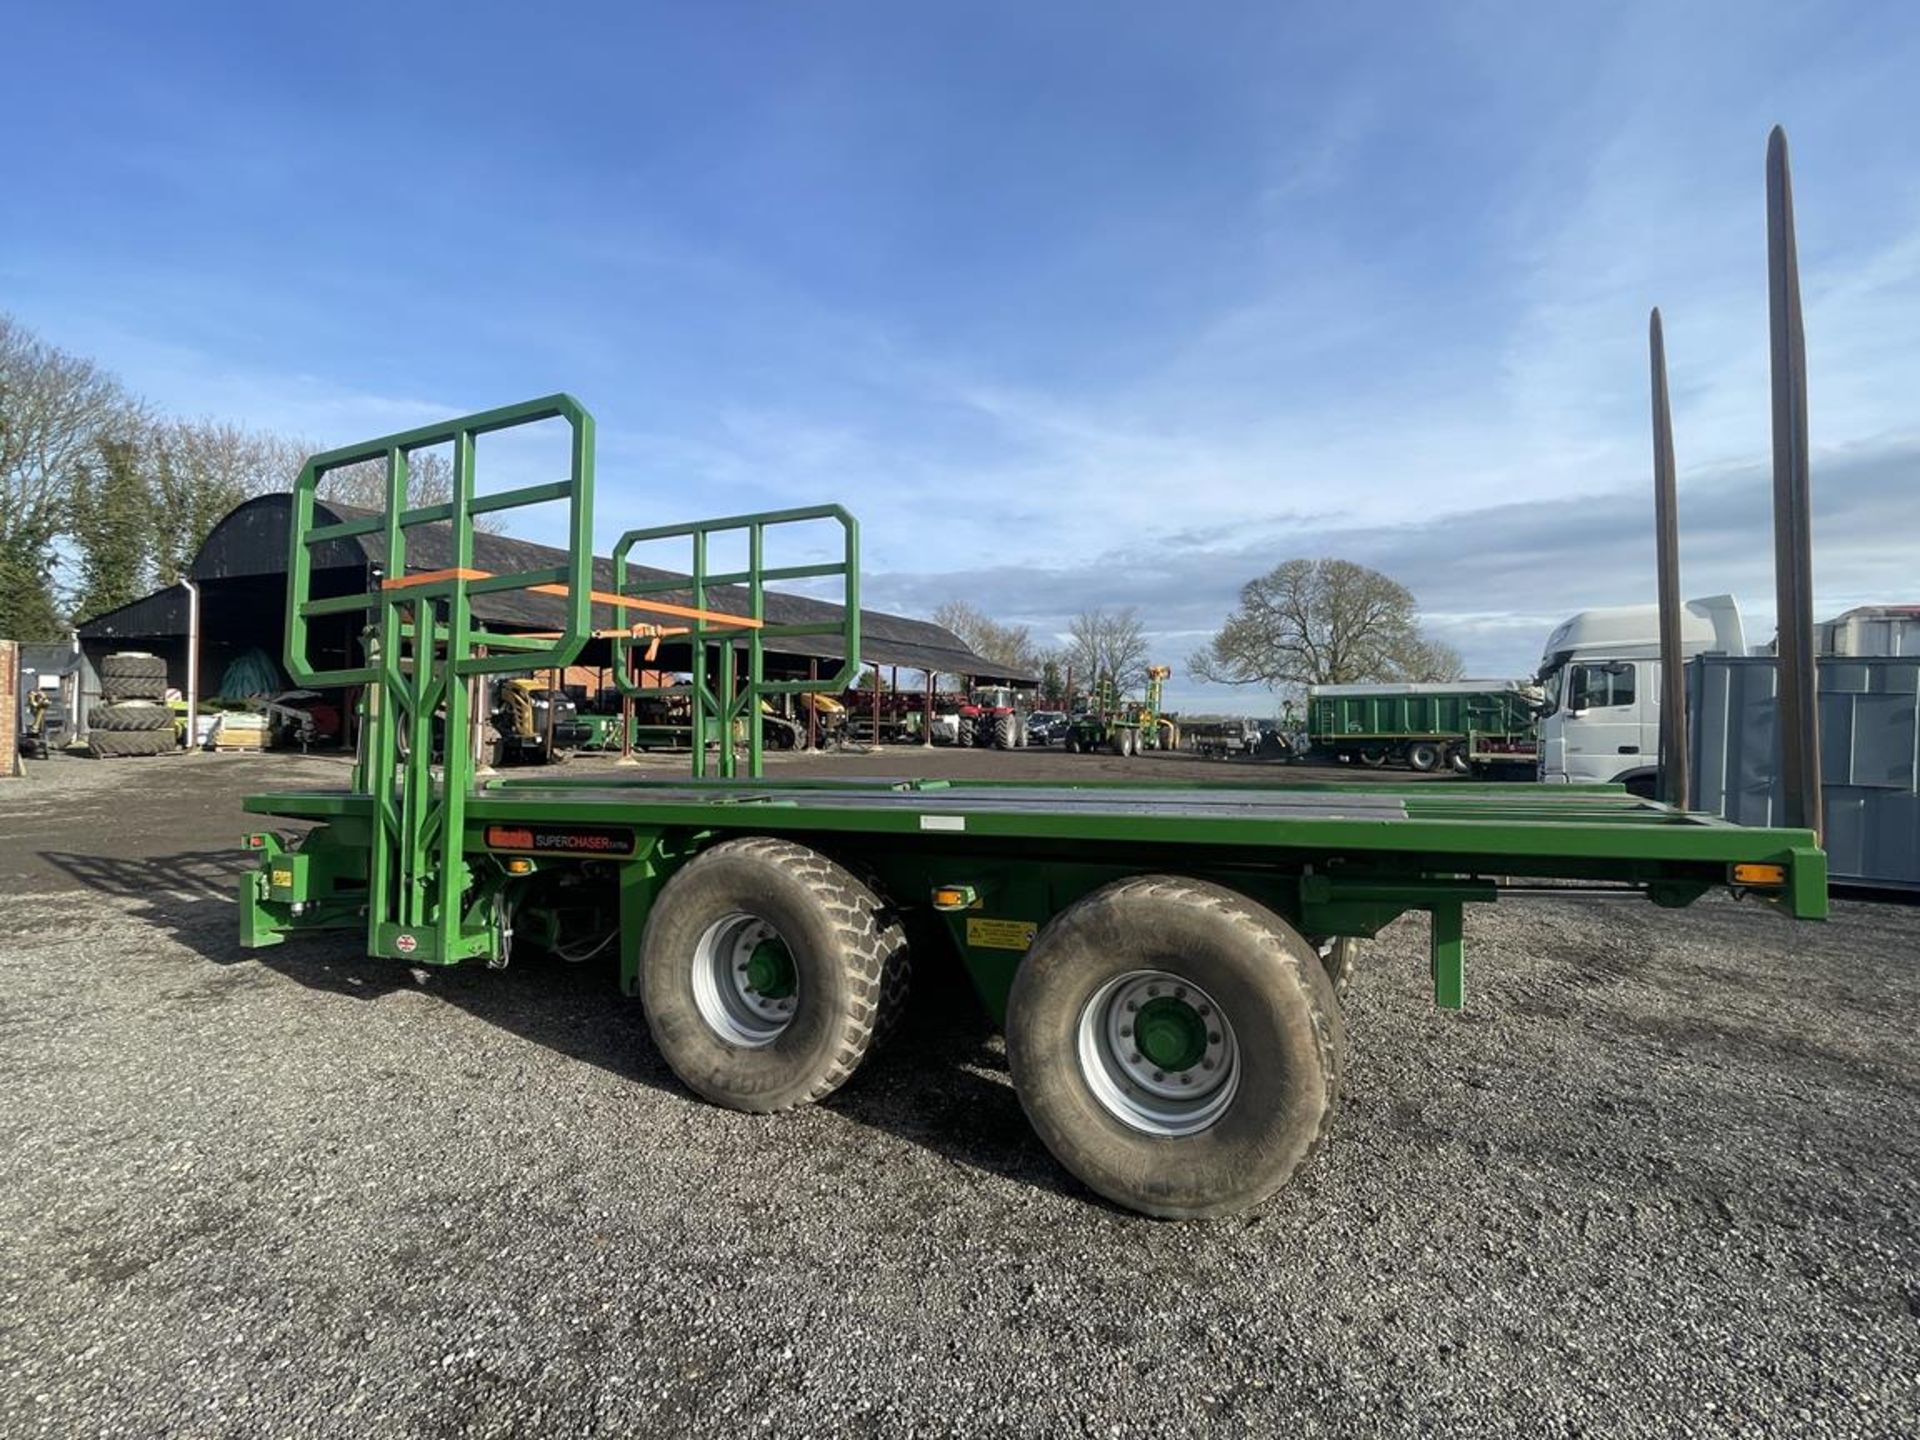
{"points": [[1752, 874], [948, 898], [255, 841]]}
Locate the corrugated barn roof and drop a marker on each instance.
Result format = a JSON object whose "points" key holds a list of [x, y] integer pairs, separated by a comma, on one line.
{"points": [[252, 541]]}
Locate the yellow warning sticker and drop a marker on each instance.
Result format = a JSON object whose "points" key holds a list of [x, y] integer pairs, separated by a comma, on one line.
{"points": [[1000, 934], [281, 879]]}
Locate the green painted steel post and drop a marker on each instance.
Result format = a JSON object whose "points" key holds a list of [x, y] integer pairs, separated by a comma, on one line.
{"points": [[725, 708], [1449, 956], [698, 701], [756, 656]]}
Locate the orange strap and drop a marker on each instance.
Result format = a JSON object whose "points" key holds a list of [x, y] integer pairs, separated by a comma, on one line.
{"points": [[599, 597]]}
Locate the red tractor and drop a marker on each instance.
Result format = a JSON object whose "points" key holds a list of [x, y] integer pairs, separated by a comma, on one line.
{"points": [[988, 717]]}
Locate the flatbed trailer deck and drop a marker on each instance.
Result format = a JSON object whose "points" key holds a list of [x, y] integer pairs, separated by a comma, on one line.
{"points": [[1166, 959]]}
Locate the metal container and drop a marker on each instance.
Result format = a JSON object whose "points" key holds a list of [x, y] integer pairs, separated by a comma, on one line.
{"points": [[1872, 630], [1869, 755], [1445, 711]]}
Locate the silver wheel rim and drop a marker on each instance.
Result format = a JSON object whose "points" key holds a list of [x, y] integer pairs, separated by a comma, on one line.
{"points": [[735, 1008], [1153, 1093]]}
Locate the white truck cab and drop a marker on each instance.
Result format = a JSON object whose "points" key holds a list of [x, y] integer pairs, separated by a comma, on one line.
{"points": [[1601, 677]]}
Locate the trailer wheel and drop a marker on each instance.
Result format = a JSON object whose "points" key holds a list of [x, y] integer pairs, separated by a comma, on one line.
{"points": [[1337, 956], [1458, 763], [1374, 758], [1176, 1046], [765, 969], [1423, 756]]}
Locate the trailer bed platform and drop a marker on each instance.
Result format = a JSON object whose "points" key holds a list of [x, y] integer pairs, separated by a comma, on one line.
{"points": [[1577, 833]]}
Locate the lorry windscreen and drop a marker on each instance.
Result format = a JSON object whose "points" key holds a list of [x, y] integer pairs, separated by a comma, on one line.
{"points": [[1552, 683]]}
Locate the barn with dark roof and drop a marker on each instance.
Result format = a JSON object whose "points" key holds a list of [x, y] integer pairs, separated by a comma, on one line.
{"points": [[241, 573]]}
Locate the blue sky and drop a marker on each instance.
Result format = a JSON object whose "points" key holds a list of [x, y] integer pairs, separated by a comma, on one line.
{"points": [[1073, 304]]}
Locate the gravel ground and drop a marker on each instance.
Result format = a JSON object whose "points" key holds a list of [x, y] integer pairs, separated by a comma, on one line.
{"points": [[1662, 1178]]}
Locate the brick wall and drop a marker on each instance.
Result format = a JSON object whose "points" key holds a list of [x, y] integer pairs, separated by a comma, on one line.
{"points": [[9, 708]]}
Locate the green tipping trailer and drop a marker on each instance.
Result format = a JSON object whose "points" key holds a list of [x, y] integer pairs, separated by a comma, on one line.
{"points": [[1464, 725], [1164, 957]]}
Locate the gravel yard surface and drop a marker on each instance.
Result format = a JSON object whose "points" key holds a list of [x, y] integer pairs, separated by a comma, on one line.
{"points": [[1662, 1178]]}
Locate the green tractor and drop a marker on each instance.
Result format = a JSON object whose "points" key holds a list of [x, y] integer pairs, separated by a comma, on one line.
{"points": [[1124, 727]]}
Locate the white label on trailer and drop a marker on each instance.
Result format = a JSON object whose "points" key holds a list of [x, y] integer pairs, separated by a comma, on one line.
{"points": [[943, 822]]}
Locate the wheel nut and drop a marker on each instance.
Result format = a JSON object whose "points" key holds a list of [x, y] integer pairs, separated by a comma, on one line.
{"points": [[1213, 1037], [1125, 1030]]}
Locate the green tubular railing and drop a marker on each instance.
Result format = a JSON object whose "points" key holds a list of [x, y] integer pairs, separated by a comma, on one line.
{"points": [[716, 697], [423, 646]]}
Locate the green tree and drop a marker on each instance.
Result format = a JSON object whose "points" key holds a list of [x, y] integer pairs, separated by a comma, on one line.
{"points": [[27, 608], [1053, 681], [110, 519], [1323, 622]]}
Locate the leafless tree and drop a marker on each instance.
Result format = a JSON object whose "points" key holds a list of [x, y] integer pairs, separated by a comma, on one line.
{"points": [[1323, 622], [54, 409], [429, 482], [198, 470], [1107, 645], [1008, 645]]}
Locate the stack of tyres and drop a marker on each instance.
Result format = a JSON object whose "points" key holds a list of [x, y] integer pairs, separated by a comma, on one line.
{"points": [[131, 718]]}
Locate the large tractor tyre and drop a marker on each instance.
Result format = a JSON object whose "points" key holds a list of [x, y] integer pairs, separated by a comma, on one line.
{"points": [[1117, 741], [1337, 957], [1176, 1046], [134, 665], [765, 969], [130, 715], [112, 744], [1424, 756], [963, 732], [1072, 743], [131, 687], [1019, 733], [1003, 731]]}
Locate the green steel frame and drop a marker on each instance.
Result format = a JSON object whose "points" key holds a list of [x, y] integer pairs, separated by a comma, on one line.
{"points": [[717, 698], [439, 864], [422, 901]]}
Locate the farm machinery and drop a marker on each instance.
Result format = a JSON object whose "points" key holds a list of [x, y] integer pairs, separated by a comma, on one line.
{"points": [[1166, 960], [1110, 724], [988, 716]]}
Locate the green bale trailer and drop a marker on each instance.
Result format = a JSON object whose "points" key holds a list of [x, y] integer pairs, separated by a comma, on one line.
{"points": [[1167, 960], [1461, 725]]}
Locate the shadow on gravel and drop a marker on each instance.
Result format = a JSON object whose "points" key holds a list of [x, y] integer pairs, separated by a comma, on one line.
{"points": [[940, 1083]]}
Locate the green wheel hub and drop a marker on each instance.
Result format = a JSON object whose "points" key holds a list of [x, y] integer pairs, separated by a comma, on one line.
{"points": [[745, 982], [1170, 1033], [770, 969]]}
